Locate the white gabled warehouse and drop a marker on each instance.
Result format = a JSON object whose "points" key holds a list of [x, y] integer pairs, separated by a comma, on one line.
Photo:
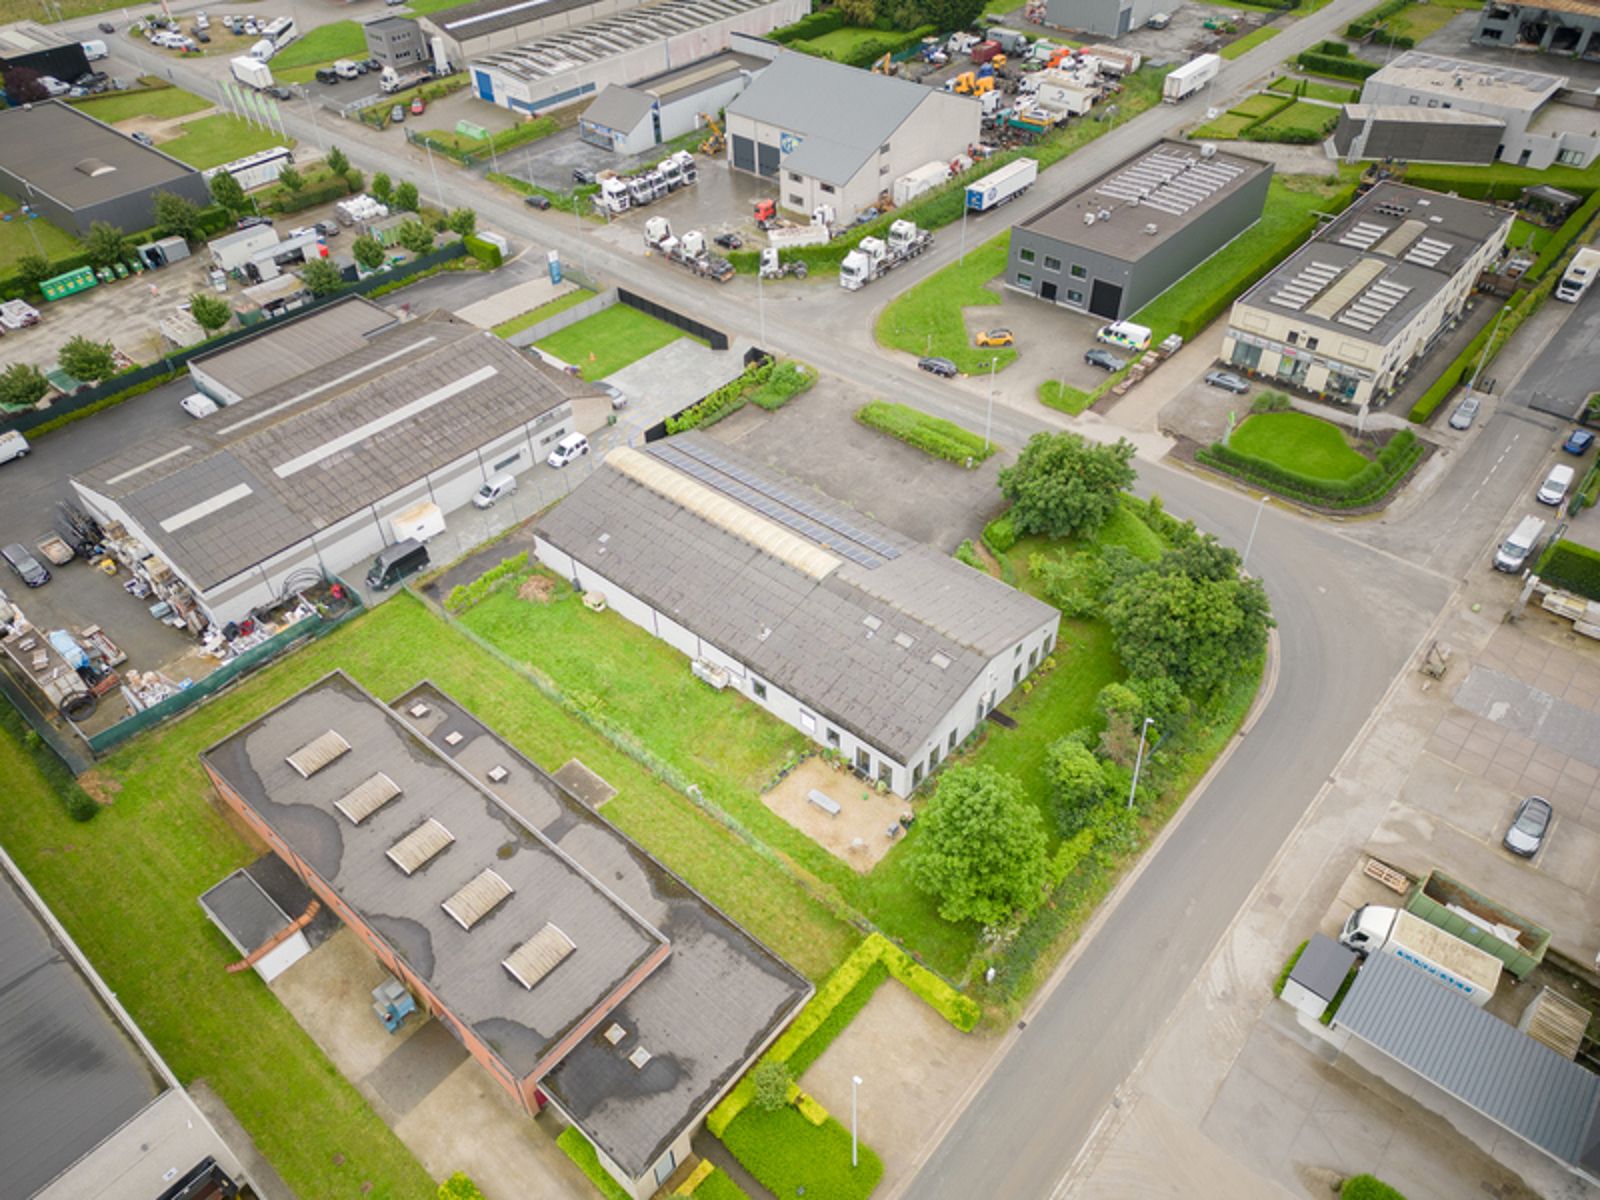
{"points": [[869, 643], [333, 429]]}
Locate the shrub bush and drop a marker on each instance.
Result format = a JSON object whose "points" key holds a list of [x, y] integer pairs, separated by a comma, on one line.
{"points": [[1572, 567], [728, 399], [1283, 975], [464, 596], [1371, 483], [772, 1080], [932, 435], [1336, 49], [459, 1187], [967, 553], [1367, 1187], [1000, 534], [786, 381], [579, 1150]]}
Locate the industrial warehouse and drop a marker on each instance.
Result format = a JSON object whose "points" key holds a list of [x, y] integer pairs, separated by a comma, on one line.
{"points": [[565, 959], [338, 425]]}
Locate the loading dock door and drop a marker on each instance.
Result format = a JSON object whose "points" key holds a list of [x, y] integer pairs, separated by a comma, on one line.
{"points": [[1047, 291], [744, 154], [1105, 299], [767, 160]]}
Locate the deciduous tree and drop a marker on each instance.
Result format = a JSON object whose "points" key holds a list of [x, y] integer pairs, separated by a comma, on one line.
{"points": [[32, 270], [211, 313], [382, 188], [416, 237], [87, 361], [178, 216], [463, 221], [406, 198], [22, 385], [1077, 783], [322, 277], [105, 245], [226, 191], [368, 251], [337, 162], [982, 852], [1064, 486], [291, 180]]}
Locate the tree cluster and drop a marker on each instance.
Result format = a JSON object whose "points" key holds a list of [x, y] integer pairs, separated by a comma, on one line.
{"points": [[911, 14], [1062, 486]]}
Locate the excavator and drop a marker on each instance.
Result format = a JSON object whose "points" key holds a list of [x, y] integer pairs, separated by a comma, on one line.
{"points": [[970, 84], [715, 144], [886, 66]]}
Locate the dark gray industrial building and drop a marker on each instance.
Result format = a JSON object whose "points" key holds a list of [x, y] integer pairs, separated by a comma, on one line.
{"points": [[1117, 243], [74, 170], [396, 42], [1104, 18], [1570, 28], [1416, 134]]}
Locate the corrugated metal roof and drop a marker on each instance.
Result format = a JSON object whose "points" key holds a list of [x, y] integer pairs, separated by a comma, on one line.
{"points": [[1485, 1063], [281, 352]]}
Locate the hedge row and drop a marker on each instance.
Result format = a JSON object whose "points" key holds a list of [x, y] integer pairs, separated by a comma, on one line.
{"points": [[1000, 534], [579, 1149], [1563, 237], [1572, 568], [812, 25], [464, 596], [868, 51], [725, 401], [837, 1020], [932, 435], [1371, 483], [1288, 968], [1334, 65]]}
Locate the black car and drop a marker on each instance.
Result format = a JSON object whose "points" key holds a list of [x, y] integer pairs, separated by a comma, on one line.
{"points": [[1103, 359], [327, 75], [361, 67], [728, 241], [107, 27], [537, 201], [374, 65], [252, 221], [25, 565], [279, 92], [941, 367], [582, 175]]}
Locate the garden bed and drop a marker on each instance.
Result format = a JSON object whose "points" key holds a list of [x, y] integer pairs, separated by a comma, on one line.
{"points": [[932, 435]]}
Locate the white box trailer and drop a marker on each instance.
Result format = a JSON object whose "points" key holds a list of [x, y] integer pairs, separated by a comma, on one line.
{"points": [[1188, 79], [251, 72], [997, 187], [419, 522], [1063, 92], [913, 183], [236, 249]]}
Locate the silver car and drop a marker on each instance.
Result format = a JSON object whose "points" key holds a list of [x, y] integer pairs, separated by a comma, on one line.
{"points": [[1228, 381], [1466, 412], [1529, 826]]}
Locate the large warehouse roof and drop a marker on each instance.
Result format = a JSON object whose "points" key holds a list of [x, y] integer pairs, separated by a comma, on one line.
{"points": [[76, 160], [1147, 200], [230, 491], [1388, 255], [69, 1077], [282, 351], [1457, 79], [842, 114], [881, 635], [1491, 1066], [490, 16], [520, 943], [702, 1015]]}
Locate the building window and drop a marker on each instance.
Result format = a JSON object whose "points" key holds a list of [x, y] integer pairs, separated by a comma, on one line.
{"points": [[1311, 343], [796, 201], [1079, 272], [1016, 675], [833, 737], [1051, 264], [1074, 297], [883, 170], [951, 747], [1024, 280], [1413, 100], [1033, 659], [863, 761], [507, 462], [883, 149], [827, 188], [1294, 337], [758, 688], [1570, 158], [807, 721], [794, 177], [916, 775], [1433, 102], [1049, 641], [933, 759], [1026, 256]]}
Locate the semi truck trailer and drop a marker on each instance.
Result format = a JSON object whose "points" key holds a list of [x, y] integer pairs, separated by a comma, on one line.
{"points": [[875, 257], [997, 187], [1188, 79], [1449, 961]]}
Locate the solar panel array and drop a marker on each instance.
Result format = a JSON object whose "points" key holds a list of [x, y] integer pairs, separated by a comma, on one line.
{"points": [[770, 499], [1172, 183], [1428, 252], [1300, 290], [1363, 235], [1373, 305]]}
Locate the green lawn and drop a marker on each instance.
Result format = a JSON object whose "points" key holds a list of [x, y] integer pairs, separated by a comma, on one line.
{"points": [[543, 313], [793, 1157], [1289, 215], [212, 141], [610, 340], [1299, 442], [1419, 21], [146, 102], [20, 236], [1064, 396], [842, 41], [928, 318], [1527, 236], [1300, 118], [1258, 105], [337, 39], [1249, 42], [1224, 128], [1314, 89]]}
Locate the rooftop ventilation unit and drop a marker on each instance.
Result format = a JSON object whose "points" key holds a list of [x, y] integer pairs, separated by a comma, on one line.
{"points": [[414, 851], [419, 710], [539, 955], [477, 899], [367, 797], [318, 753]]}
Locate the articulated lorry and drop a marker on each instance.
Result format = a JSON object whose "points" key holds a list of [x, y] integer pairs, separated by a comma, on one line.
{"points": [[875, 257], [998, 187], [1473, 917], [689, 251], [1580, 275], [1188, 79], [1463, 968], [251, 72]]}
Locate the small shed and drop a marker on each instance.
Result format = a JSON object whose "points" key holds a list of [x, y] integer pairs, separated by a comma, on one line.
{"points": [[257, 928], [1549, 204], [164, 252], [1317, 975]]}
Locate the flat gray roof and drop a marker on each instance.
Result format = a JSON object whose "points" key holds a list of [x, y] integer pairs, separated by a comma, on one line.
{"points": [[720, 997], [286, 349], [1322, 966], [884, 643], [617, 107], [1170, 186], [1491, 1066], [69, 1075], [842, 114], [523, 1026], [227, 492], [77, 160], [243, 910], [1413, 115], [1505, 87], [1366, 274]]}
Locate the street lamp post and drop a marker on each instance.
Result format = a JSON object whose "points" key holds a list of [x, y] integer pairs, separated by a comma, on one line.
{"points": [[855, 1082], [434, 170], [1139, 760], [1251, 541], [988, 416], [761, 306]]}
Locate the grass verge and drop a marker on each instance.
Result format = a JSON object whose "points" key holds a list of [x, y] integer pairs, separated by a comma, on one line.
{"points": [[1064, 396], [544, 312], [214, 140], [1249, 42], [337, 39], [928, 319], [21, 236], [932, 435], [160, 103], [610, 340]]}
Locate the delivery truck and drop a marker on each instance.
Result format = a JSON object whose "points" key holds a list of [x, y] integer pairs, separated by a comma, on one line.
{"points": [[251, 72], [1449, 961], [1188, 79], [1580, 275], [998, 187], [1473, 917]]}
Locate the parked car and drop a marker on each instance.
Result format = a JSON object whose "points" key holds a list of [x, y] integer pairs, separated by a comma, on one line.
{"points": [[619, 399], [143, 138], [27, 567], [252, 221], [569, 448], [582, 175], [327, 75], [1228, 382], [197, 404], [374, 65], [361, 66], [418, 106], [1554, 488], [996, 337], [1578, 442], [397, 114], [1529, 826], [107, 27], [199, 35], [1103, 359], [941, 367], [1466, 412], [537, 201], [278, 92], [728, 241], [328, 229]]}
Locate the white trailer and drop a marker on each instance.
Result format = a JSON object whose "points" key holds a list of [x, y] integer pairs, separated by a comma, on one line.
{"points": [[1064, 92], [236, 249], [251, 72], [997, 187], [419, 522], [924, 179], [1188, 79], [1580, 275]]}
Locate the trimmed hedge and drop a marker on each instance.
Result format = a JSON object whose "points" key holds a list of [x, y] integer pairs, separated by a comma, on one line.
{"points": [[932, 435], [717, 1185], [485, 252], [1338, 67], [459, 1187], [786, 1152], [464, 596], [812, 25], [1571, 567], [1371, 483], [868, 51], [578, 1148], [838, 1019], [1288, 967]]}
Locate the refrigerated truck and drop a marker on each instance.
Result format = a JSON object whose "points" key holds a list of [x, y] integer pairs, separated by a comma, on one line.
{"points": [[997, 187], [1188, 79], [1447, 960]]}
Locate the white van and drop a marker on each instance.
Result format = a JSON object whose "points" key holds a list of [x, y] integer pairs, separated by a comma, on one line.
{"points": [[197, 404], [345, 69], [499, 486], [1554, 488], [1125, 334], [1520, 545], [95, 50], [571, 447], [12, 445], [263, 50]]}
